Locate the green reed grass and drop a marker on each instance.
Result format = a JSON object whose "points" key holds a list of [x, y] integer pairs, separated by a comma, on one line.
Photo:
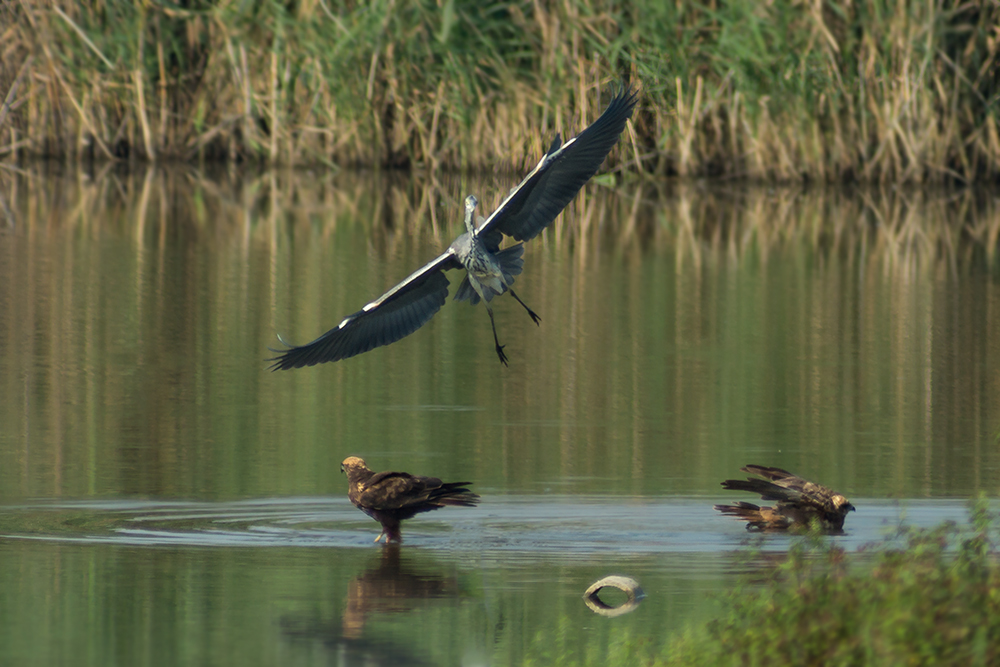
{"points": [[791, 89]]}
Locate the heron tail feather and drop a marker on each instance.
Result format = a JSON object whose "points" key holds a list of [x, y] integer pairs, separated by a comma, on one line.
{"points": [[511, 262]]}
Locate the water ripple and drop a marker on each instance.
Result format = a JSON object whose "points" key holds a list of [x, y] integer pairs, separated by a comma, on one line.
{"points": [[567, 527]]}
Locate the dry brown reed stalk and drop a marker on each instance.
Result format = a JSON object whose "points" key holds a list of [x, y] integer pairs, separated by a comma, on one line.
{"points": [[232, 90], [9, 102], [778, 91]]}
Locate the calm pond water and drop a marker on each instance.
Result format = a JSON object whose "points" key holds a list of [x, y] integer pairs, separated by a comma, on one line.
{"points": [[165, 499]]}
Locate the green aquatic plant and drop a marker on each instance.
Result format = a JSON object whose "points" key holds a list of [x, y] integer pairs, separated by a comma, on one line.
{"points": [[927, 596]]}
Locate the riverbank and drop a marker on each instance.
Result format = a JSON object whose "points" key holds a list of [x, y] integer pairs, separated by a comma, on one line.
{"points": [[782, 91]]}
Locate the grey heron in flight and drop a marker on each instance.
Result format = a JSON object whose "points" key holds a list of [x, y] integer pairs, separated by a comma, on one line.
{"points": [[490, 271]]}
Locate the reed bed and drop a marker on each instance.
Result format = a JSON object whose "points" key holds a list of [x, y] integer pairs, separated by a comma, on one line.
{"points": [[785, 90]]}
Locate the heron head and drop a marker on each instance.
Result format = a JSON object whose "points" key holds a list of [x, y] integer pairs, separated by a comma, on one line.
{"points": [[470, 208]]}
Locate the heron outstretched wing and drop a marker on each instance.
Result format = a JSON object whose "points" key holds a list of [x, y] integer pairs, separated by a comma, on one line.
{"points": [[556, 179], [394, 315]]}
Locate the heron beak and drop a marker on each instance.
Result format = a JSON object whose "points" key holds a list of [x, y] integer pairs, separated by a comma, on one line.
{"points": [[342, 470]]}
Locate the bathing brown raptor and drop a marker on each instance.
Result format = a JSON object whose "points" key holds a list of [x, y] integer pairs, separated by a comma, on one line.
{"points": [[390, 497], [799, 502]]}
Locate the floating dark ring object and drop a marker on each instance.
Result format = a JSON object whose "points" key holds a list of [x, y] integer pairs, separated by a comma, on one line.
{"points": [[627, 584]]}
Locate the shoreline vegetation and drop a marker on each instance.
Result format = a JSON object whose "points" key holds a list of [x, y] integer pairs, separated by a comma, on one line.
{"points": [[779, 91], [922, 596]]}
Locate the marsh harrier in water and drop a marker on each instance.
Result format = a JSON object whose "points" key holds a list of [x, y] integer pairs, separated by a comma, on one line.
{"points": [[799, 501], [390, 497]]}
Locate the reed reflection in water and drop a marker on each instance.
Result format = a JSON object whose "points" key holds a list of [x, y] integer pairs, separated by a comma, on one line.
{"points": [[852, 336]]}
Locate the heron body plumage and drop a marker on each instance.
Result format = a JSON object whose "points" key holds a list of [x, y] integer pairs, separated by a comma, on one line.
{"points": [[484, 272], [528, 209]]}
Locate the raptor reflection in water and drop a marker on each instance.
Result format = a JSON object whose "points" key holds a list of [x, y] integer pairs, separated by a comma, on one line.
{"points": [[393, 585]]}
